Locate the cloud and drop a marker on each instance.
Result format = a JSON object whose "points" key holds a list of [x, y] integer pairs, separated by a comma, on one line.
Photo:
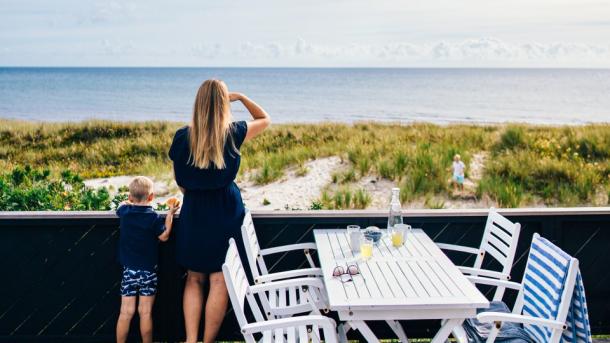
{"points": [[116, 48], [470, 50], [112, 11], [206, 50]]}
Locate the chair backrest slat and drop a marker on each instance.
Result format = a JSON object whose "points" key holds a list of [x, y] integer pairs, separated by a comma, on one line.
{"points": [[238, 287], [499, 240], [255, 260], [234, 275]]}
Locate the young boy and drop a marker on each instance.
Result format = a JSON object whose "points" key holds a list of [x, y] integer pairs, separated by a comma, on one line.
{"points": [[140, 232], [458, 172]]}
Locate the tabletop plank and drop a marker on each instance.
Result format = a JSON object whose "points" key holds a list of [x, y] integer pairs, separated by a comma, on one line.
{"points": [[417, 275]]}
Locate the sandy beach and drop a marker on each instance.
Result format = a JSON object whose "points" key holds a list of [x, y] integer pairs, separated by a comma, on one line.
{"points": [[294, 191]]}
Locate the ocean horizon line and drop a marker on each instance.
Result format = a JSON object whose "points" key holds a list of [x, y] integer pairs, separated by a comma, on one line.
{"points": [[304, 67], [94, 120]]}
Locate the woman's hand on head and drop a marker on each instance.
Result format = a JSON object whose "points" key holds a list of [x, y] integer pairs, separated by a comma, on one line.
{"points": [[234, 96]]}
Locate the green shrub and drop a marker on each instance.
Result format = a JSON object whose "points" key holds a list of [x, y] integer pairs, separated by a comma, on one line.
{"points": [[30, 189], [316, 205]]}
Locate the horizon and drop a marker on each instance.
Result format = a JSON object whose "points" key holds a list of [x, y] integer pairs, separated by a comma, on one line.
{"points": [[291, 67]]}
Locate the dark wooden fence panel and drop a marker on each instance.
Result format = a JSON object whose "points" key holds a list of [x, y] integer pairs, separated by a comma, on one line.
{"points": [[60, 279]]}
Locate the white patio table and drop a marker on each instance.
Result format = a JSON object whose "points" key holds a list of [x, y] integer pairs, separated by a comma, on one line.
{"points": [[415, 281]]}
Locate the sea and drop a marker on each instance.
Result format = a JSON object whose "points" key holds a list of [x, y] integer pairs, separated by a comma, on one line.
{"points": [[305, 95]]}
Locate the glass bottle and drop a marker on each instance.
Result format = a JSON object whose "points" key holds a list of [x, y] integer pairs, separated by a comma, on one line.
{"points": [[395, 215]]}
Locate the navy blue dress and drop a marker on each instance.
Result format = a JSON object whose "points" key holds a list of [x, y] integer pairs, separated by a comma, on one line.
{"points": [[212, 209]]}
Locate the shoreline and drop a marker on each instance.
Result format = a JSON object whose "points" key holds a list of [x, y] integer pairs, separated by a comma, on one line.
{"points": [[94, 119]]}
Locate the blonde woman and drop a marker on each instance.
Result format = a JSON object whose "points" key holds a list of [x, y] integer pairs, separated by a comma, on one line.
{"points": [[206, 159]]}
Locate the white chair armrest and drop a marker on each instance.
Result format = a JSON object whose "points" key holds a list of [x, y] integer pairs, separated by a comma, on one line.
{"points": [[484, 272], [289, 247], [499, 317], [445, 246], [289, 274], [494, 282], [323, 322], [300, 282]]}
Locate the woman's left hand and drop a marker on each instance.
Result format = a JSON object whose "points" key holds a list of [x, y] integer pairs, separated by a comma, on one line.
{"points": [[234, 96]]}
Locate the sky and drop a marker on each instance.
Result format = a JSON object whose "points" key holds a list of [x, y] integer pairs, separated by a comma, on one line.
{"points": [[313, 33]]}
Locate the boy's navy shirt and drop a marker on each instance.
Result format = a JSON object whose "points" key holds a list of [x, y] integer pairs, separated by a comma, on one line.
{"points": [[138, 239]]}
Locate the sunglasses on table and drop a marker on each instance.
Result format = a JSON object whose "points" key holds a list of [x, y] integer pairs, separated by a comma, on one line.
{"points": [[348, 271]]}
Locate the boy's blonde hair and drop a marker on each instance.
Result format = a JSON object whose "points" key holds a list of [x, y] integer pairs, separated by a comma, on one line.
{"points": [[140, 188], [457, 157]]}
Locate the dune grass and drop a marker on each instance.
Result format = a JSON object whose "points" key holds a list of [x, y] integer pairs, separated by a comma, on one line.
{"points": [[90, 149], [526, 164], [561, 166]]}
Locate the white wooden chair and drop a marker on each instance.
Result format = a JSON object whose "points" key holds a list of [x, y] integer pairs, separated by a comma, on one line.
{"points": [[283, 301], [545, 297], [500, 242], [283, 298], [307, 328]]}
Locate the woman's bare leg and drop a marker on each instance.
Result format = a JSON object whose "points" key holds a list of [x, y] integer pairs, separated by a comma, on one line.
{"points": [[192, 304], [215, 307]]}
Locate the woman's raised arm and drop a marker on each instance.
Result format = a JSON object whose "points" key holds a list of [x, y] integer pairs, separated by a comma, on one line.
{"points": [[260, 119]]}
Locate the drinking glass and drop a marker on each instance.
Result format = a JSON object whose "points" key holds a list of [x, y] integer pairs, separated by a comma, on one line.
{"points": [[353, 232], [398, 234], [366, 248]]}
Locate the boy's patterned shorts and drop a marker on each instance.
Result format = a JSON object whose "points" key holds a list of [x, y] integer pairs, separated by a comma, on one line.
{"points": [[142, 282]]}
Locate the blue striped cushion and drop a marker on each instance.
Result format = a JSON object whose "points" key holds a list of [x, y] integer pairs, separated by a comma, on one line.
{"points": [[578, 328], [545, 277]]}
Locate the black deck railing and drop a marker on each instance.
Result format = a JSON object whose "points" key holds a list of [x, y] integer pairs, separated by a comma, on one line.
{"points": [[60, 279]]}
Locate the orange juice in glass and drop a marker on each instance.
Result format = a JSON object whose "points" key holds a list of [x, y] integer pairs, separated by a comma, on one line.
{"points": [[366, 248], [398, 237], [398, 234]]}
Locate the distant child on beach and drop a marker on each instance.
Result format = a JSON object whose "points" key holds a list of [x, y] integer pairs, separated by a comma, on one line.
{"points": [[141, 229], [458, 172]]}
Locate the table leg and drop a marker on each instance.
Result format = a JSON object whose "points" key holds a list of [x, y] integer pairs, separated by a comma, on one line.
{"points": [[398, 330], [342, 331], [459, 334], [445, 330], [364, 330]]}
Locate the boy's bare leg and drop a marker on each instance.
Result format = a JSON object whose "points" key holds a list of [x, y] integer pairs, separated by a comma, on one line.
{"points": [[128, 308], [145, 312], [192, 303], [216, 307]]}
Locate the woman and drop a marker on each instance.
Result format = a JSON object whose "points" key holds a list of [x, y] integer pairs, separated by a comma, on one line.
{"points": [[206, 160]]}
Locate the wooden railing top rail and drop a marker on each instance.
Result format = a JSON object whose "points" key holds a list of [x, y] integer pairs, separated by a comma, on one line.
{"points": [[536, 211]]}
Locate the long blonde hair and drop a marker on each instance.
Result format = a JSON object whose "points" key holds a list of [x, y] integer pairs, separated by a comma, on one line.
{"points": [[209, 128]]}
